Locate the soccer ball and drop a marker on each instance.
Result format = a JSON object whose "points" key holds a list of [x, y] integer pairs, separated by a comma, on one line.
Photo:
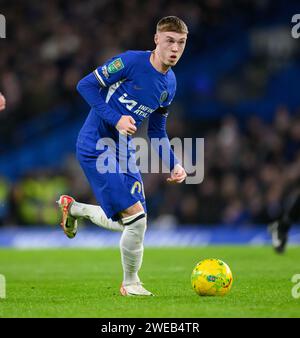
{"points": [[211, 277]]}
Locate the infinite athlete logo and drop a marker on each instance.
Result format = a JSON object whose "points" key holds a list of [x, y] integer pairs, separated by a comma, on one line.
{"points": [[134, 106]]}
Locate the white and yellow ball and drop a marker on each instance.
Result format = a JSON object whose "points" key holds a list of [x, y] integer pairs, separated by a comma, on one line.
{"points": [[211, 277]]}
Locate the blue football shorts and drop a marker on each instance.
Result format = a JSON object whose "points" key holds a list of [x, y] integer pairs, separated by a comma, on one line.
{"points": [[114, 192]]}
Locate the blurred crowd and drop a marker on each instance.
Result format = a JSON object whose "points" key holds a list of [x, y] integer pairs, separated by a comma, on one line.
{"points": [[249, 169], [51, 45], [250, 165]]}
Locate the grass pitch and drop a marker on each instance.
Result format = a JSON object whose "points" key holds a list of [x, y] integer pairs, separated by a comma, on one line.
{"points": [[85, 283]]}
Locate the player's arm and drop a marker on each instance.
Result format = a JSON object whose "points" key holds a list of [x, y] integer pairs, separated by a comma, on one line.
{"points": [[89, 88], [113, 71], [2, 102], [157, 129]]}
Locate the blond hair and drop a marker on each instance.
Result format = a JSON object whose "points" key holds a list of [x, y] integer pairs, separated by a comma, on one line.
{"points": [[171, 24]]}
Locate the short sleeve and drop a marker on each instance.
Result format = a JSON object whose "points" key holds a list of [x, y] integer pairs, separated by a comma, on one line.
{"points": [[115, 69]]}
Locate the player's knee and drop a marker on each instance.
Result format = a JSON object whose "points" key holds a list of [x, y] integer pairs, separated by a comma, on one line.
{"points": [[136, 224], [132, 210], [138, 219]]}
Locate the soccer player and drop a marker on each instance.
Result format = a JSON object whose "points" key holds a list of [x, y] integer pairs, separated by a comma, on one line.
{"points": [[123, 92], [280, 228], [2, 102]]}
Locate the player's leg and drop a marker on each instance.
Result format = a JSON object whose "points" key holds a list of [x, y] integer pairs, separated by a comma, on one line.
{"points": [[121, 197], [280, 228], [72, 211], [134, 220], [111, 194], [95, 214]]}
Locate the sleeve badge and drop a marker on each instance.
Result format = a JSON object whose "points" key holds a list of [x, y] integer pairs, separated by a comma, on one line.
{"points": [[115, 66]]}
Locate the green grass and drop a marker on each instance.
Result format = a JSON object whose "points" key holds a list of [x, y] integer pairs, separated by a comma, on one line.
{"points": [[85, 283]]}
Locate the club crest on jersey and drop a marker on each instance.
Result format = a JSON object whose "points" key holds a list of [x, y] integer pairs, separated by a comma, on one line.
{"points": [[163, 96], [115, 66]]}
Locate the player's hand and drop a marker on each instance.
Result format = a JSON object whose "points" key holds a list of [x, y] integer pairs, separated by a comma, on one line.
{"points": [[126, 125], [2, 102], [178, 174]]}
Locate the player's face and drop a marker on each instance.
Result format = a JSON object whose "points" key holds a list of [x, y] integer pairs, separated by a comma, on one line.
{"points": [[170, 46]]}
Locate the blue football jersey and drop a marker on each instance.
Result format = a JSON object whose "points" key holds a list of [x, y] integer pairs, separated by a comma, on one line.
{"points": [[132, 86], [129, 85]]}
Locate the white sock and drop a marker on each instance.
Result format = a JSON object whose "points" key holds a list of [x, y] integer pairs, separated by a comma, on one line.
{"points": [[131, 246], [95, 214]]}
